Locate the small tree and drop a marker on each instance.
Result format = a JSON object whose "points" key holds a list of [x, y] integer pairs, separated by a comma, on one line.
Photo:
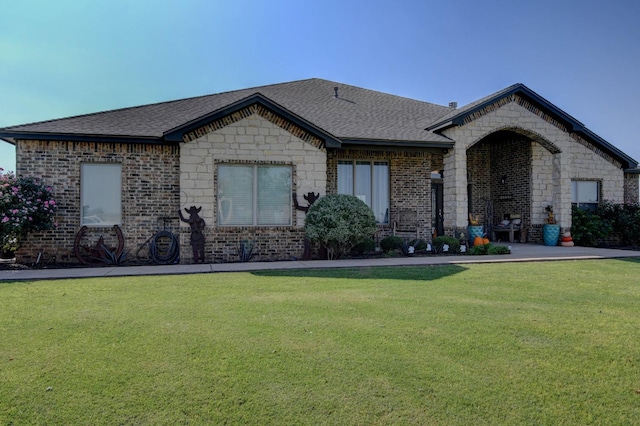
{"points": [[26, 205], [339, 222]]}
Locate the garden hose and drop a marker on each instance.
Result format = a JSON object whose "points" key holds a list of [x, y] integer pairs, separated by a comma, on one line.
{"points": [[162, 253]]}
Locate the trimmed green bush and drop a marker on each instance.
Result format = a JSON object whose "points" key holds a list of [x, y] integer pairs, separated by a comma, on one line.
{"points": [[338, 222], [365, 246], [488, 249], [497, 249], [390, 243], [480, 250]]}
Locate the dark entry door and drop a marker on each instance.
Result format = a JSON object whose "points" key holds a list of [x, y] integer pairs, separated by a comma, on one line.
{"points": [[437, 218]]}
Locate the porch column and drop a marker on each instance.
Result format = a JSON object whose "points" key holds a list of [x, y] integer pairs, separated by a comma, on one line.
{"points": [[562, 189], [455, 189]]}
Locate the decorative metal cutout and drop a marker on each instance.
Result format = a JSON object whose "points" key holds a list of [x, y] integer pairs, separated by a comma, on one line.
{"points": [[311, 198], [197, 225], [99, 253]]}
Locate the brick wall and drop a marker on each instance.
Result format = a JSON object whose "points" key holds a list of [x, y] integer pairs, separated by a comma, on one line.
{"points": [[269, 243], [631, 188], [511, 160], [150, 189], [501, 155]]}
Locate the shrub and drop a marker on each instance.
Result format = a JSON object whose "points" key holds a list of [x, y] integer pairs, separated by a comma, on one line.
{"points": [[338, 222], [488, 249], [365, 246], [589, 228], [624, 220], [390, 243], [26, 205], [480, 250], [439, 243], [498, 249]]}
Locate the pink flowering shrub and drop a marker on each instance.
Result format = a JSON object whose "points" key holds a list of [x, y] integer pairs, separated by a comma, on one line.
{"points": [[26, 205]]}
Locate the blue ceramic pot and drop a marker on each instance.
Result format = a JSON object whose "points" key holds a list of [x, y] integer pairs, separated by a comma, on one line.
{"points": [[475, 231], [551, 234]]}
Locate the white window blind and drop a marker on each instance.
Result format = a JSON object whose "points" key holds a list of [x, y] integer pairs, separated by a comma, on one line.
{"points": [[101, 194], [254, 195]]}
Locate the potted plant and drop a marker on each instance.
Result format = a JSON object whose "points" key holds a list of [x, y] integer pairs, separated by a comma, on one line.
{"points": [[475, 228], [550, 229]]}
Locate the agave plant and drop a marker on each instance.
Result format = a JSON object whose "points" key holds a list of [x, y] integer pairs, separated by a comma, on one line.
{"points": [[246, 250], [112, 257]]}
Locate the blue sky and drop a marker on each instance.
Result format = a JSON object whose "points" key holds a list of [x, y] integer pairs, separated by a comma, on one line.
{"points": [[62, 58]]}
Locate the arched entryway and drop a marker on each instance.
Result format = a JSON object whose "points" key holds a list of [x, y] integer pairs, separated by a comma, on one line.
{"points": [[501, 177]]}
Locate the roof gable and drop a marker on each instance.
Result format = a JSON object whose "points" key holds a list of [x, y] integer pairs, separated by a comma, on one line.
{"points": [[178, 134], [459, 116]]}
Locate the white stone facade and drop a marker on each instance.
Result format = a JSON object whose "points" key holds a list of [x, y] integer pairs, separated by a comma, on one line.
{"points": [[253, 139], [557, 159]]}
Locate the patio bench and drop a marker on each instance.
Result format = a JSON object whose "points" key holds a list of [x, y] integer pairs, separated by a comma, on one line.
{"points": [[511, 224]]}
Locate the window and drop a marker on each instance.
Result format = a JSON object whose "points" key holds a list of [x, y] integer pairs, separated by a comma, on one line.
{"points": [[100, 194], [369, 181], [254, 195], [585, 194]]}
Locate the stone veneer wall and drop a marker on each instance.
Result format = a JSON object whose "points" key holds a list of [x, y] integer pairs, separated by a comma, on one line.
{"points": [[557, 158], [252, 135], [409, 181], [479, 178], [150, 189]]}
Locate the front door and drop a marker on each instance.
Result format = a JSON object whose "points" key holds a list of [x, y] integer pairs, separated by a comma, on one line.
{"points": [[437, 218]]}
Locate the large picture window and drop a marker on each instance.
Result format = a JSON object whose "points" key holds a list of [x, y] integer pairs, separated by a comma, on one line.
{"points": [[101, 194], [369, 181], [254, 195], [585, 194]]}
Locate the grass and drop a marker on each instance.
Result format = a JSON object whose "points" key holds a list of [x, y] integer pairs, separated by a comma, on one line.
{"points": [[532, 343]]}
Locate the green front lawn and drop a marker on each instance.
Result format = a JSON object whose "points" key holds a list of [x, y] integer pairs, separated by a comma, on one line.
{"points": [[530, 343]]}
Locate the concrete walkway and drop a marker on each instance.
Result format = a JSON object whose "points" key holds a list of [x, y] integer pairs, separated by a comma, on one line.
{"points": [[519, 253]]}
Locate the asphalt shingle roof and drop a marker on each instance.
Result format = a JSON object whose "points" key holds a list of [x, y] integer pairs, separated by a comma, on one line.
{"points": [[356, 114]]}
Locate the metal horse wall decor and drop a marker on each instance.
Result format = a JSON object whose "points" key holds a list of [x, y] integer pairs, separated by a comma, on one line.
{"points": [[197, 236]]}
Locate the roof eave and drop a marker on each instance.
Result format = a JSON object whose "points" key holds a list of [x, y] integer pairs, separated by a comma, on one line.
{"points": [[177, 134], [12, 136], [521, 89], [627, 161], [444, 125], [7, 139], [397, 143]]}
